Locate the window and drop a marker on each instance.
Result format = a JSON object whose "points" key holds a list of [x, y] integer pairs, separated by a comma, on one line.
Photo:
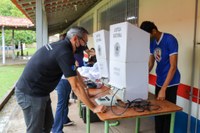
{"points": [[117, 11], [88, 23]]}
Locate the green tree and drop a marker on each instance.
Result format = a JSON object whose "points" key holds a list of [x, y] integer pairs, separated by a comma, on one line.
{"points": [[7, 8]]}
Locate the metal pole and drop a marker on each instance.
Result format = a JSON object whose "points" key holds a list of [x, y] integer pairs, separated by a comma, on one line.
{"points": [[198, 96], [3, 46], [13, 44], [193, 68], [87, 120], [172, 122]]}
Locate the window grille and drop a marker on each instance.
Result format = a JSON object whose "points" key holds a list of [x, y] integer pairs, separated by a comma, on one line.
{"points": [[116, 11]]}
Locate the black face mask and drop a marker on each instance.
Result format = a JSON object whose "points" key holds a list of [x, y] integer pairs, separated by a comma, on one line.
{"points": [[80, 49]]}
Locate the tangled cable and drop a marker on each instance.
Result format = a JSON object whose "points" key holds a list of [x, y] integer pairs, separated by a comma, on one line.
{"points": [[139, 105]]}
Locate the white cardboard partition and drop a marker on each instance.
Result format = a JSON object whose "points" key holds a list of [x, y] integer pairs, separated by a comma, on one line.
{"points": [[128, 43], [129, 54], [101, 42], [133, 77], [103, 67]]}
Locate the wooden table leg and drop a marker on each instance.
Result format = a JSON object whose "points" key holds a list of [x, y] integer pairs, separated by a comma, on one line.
{"points": [[87, 120], [172, 122], [137, 125]]}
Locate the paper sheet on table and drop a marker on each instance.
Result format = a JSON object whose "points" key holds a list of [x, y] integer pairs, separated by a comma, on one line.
{"points": [[92, 73]]}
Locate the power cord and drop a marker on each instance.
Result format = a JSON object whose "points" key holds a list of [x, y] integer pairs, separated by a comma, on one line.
{"points": [[118, 114], [139, 105]]}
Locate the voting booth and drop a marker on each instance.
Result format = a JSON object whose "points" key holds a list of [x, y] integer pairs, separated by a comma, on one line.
{"points": [[101, 42], [129, 54]]}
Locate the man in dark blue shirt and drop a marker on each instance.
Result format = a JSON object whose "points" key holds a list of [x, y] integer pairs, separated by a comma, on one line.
{"points": [[42, 74]]}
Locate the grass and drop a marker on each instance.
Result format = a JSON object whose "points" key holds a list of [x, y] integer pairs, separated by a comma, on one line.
{"points": [[8, 77], [10, 74], [30, 51], [27, 51]]}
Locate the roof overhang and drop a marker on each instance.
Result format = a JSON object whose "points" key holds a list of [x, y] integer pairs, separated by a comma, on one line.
{"points": [[60, 13], [16, 23]]}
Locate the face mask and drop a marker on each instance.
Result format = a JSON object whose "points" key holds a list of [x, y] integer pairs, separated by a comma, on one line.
{"points": [[80, 49]]}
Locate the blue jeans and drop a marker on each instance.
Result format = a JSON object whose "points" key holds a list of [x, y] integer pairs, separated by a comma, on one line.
{"points": [[61, 117], [37, 112]]}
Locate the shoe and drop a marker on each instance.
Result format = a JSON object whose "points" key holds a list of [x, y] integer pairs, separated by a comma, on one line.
{"points": [[69, 123]]}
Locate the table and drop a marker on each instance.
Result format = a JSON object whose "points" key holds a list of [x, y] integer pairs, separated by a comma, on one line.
{"points": [[166, 107]]}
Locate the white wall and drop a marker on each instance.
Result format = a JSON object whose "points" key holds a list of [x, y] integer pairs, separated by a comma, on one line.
{"points": [[175, 17]]}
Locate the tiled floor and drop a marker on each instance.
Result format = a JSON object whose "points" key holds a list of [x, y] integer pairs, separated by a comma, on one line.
{"points": [[16, 123]]}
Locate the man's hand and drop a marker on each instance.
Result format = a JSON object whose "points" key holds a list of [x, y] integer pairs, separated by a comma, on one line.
{"points": [[100, 109]]}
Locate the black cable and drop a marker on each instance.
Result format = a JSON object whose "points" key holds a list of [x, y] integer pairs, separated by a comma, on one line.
{"points": [[118, 114], [139, 105]]}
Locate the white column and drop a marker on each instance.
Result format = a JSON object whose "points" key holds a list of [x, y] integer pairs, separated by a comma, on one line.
{"points": [[39, 24], [45, 29], [3, 46]]}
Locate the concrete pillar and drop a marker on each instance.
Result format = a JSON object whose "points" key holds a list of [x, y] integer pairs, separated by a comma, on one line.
{"points": [[45, 29], [39, 24]]}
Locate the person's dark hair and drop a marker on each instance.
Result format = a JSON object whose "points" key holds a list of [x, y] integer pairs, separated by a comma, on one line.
{"points": [[76, 30], [92, 49], [62, 36], [148, 26]]}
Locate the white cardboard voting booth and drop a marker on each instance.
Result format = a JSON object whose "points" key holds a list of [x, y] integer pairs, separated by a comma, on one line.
{"points": [[128, 43], [101, 42], [103, 65], [129, 54]]}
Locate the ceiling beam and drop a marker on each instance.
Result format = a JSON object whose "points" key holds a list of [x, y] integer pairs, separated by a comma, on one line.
{"points": [[28, 6], [52, 1], [24, 1], [29, 11]]}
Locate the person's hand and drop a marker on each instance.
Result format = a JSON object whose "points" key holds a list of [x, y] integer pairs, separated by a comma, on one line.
{"points": [[161, 95], [91, 95], [100, 109], [76, 63]]}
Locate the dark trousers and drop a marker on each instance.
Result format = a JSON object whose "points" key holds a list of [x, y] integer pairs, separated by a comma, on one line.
{"points": [[162, 123], [37, 111]]}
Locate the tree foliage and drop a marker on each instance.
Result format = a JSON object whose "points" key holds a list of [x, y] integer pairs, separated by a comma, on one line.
{"points": [[7, 8]]}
